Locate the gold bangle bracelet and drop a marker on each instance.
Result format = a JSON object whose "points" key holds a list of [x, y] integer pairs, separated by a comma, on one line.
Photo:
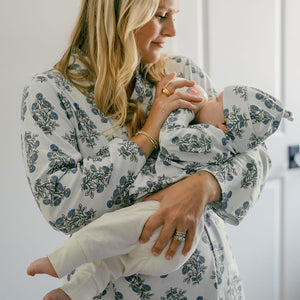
{"points": [[152, 139]]}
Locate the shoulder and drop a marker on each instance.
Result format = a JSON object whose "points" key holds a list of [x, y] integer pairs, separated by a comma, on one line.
{"points": [[44, 93], [49, 80], [184, 67]]}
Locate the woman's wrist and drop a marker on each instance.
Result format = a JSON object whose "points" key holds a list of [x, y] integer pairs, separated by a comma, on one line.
{"points": [[212, 186]]}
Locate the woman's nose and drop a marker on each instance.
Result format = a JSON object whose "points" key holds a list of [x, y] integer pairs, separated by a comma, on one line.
{"points": [[169, 28]]}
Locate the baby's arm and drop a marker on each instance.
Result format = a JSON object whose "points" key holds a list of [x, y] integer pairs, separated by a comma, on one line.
{"points": [[183, 145]]}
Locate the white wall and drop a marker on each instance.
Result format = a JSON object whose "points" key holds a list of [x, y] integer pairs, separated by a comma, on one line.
{"points": [[33, 35]]}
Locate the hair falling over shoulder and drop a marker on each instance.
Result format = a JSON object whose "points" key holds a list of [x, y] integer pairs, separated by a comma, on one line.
{"points": [[106, 47]]}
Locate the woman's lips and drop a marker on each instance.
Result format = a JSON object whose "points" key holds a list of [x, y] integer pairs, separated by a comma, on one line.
{"points": [[159, 44]]}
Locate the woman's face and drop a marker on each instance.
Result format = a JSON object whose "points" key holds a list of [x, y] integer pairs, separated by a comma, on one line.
{"points": [[151, 37]]}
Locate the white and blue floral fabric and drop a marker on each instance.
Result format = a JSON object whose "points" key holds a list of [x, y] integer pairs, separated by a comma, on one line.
{"points": [[77, 174], [251, 115]]}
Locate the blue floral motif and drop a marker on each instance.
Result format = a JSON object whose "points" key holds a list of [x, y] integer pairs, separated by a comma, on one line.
{"points": [[88, 130], [236, 122], [241, 91], [167, 157], [259, 116], [155, 186], [249, 176], [95, 179], [175, 294], [50, 191], [130, 150], [43, 114], [102, 153], [269, 101], [65, 105], [235, 289], [193, 143], [41, 78], [223, 169], [254, 141], [71, 138], [120, 194], [225, 199], [74, 220], [194, 268], [193, 167], [59, 160], [31, 145], [170, 123], [60, 81], [240, 212], [136, 283]]}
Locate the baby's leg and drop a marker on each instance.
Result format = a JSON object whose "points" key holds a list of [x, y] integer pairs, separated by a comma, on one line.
{"points": [[113, 234], [92, 278]]}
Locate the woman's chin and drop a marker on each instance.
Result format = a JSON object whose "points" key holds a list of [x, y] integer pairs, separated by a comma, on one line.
{"points": [[151, 58]]}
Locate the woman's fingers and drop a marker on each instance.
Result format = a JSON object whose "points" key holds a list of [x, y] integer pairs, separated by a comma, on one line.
{"points": [[165, 235], [164, 83], [154, 222], [179, 83], [189, 240]]}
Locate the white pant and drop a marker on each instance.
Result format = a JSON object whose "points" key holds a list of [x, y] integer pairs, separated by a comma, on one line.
{"points": [[109, 248]]}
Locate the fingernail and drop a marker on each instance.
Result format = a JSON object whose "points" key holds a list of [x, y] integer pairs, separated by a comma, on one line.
{"points": [[168, 257], [142, 241], [155, 253]]}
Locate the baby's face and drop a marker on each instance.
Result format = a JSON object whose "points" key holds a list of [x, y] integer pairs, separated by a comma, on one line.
{"points": [[212, 112]]}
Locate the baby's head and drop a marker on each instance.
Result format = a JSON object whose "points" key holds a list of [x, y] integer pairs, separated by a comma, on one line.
{"points": [[247, 115], [212, 112]]}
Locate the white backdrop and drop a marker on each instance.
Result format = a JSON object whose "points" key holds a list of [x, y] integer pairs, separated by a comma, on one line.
{"points": [[34, 34]]}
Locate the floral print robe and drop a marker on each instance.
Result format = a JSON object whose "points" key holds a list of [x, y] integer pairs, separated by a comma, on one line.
{"points": [[76, 174]]}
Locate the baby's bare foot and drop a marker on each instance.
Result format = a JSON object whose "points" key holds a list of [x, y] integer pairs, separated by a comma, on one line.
{"points": [[41, 266], [57, 294]]}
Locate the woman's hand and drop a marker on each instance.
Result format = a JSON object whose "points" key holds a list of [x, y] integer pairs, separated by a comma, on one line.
{"points": [[163, 105], [181, 206]]}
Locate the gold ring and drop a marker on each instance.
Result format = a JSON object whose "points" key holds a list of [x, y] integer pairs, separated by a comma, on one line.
{"points": [[166, 92]]}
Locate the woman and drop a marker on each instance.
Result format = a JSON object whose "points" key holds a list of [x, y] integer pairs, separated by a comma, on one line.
{"points": [[82, 152]]}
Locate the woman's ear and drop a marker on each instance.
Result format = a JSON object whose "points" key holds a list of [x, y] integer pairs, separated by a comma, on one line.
{"points": [[223, 127]]}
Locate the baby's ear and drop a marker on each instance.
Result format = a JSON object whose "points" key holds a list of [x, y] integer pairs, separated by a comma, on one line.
{"points": [[223, 127]]}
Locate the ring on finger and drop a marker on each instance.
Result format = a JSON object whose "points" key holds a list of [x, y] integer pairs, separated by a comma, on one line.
{"points": [[180, 236], [166, 92]]}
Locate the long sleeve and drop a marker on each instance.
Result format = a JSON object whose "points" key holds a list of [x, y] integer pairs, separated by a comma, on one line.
{"points": [[75, 173], [204, 147], [242, 176], [191, 146]]}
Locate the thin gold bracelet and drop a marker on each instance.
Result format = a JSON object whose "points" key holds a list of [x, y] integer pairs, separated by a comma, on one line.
{"points": [[152, 139]]}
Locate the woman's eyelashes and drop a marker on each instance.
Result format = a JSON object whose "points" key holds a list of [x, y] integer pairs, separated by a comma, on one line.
{"points": [[161, 17]]}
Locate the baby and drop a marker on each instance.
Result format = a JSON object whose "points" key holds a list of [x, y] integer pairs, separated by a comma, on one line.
{"points": [[238, 119]]}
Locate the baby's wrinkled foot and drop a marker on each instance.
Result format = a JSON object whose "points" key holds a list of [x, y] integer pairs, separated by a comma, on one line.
{"points": [[57, 294], [41, 266]]}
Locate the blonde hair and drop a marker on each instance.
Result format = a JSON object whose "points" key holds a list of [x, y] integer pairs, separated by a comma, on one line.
{"points": [[105, 33]]}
